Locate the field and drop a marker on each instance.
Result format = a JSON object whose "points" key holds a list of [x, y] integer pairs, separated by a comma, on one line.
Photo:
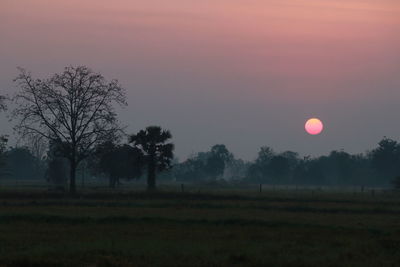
{"points": [[196, 228]]}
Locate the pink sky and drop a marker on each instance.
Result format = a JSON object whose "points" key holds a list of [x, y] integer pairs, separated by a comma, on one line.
{"points": [[241, 72]]}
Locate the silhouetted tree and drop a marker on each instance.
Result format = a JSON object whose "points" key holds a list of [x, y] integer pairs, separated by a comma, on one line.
{"points": [[218, 157], [192, 169], [279, 169], [259, 171], [73, 108], [236, 169], [271, 167], [20, 163], [117, 162], [309, 171], [339, 167], [157, 153], [213, 164], [386, 158]]}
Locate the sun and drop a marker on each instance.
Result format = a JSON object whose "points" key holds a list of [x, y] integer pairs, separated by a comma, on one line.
{"points": [[314, 126]]}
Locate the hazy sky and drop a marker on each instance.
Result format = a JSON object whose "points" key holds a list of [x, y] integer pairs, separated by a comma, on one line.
{"points": [[245, 73]]}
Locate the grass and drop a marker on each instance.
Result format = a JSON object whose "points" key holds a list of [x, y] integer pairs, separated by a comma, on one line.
{"points": [[273, 228]]}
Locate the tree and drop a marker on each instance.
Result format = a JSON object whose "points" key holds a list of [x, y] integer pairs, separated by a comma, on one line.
{"points": [[236, 169], [192, 169], [339, 167], [74, 108], [117, 162], [21, 163], [259, 171], [218, 158], [279, 168], [309, 171], [274, 168], [386, 158], [157, 153]]}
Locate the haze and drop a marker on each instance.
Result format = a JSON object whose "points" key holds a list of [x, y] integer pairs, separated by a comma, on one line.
{"points": [[245, 73]]}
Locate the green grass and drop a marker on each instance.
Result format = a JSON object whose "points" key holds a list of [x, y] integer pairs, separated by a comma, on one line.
{"points": [[273, 228]]}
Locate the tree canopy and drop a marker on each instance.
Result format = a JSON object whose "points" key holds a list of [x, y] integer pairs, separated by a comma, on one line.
{"points": [[117, 161], [157, 152]]}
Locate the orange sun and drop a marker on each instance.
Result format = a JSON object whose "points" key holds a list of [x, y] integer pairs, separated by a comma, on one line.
{"points": [[314, 126]]}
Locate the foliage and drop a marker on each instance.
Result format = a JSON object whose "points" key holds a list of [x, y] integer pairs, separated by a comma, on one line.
{"points": [[386, 158], [20, 163], [157, 153], [216, 161], [210, 165], [273, 168], [377, 167], [117, 161]]}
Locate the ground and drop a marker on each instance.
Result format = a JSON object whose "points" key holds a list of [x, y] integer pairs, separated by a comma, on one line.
{"points": [[221, 228]]}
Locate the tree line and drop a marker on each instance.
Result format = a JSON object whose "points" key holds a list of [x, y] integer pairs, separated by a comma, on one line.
{"points": [[68, 121], [377, 167]]}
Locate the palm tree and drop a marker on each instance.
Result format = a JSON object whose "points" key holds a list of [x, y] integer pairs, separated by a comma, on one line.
{"points": [[157, 153]]}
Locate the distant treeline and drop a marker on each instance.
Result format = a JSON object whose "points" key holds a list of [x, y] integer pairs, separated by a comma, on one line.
{"points": [[118, 162], [377, 167]]}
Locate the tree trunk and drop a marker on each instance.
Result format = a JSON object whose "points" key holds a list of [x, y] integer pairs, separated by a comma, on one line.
{"points": [[72, 177], [151, 174]]}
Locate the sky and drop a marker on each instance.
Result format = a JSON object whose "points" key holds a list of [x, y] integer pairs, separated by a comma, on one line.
{"points": [[245, 73]]}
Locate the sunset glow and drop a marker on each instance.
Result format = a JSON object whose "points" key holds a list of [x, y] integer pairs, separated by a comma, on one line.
{"points": [[314, 126], [202, 63]]}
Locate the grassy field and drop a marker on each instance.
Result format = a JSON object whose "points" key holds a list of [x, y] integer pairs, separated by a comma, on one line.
{"points": [[272, 228]]}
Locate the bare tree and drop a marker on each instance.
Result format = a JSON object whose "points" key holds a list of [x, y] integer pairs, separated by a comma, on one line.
{"points": [[37, 145], [3, 138], [73, 108]]}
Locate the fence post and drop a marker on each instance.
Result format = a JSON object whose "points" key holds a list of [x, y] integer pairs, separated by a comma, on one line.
{"points": [[260, 188], [182, 188]]}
